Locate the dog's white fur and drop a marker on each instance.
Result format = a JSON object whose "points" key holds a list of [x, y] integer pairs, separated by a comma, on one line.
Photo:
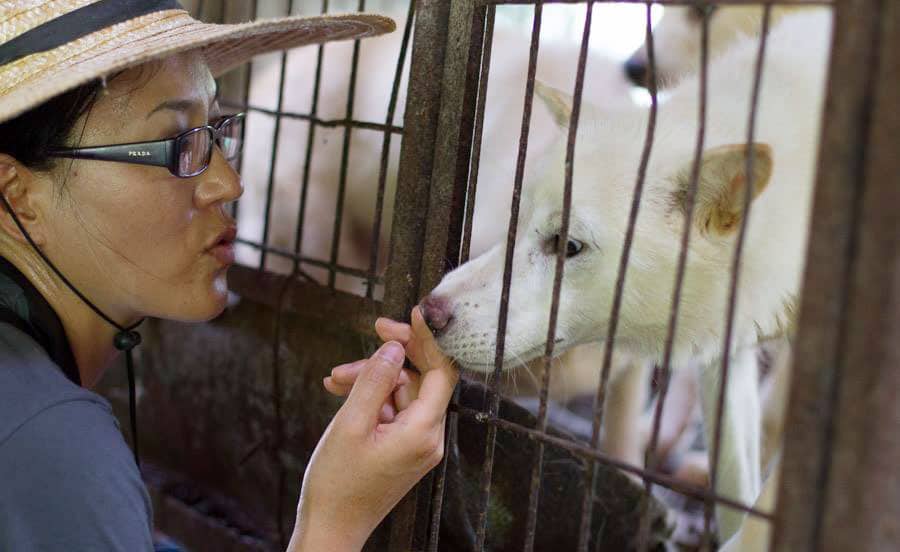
{"points": [[605, 171], [604, 83], [377, 63]]}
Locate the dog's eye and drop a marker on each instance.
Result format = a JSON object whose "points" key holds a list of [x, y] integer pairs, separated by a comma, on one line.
{"points": [[573, 247]]}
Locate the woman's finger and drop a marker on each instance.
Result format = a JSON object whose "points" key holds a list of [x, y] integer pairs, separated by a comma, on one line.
{"points": [[373, 387], [347, 373], [339, 389], [391, 330], [387, 414], [404, 395], [438, 378]]}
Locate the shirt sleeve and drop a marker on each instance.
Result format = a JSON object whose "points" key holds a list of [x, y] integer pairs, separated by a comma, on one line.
{"points": [[69, 482]]}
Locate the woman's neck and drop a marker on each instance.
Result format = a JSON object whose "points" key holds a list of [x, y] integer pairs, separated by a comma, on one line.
{"points": [[90, 336]]}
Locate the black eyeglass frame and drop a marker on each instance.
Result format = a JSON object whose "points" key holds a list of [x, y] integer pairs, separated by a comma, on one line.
{"points": [[157, 153]]}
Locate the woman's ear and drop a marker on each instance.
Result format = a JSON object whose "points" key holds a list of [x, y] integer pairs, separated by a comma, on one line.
{"points": [[18, 188]]}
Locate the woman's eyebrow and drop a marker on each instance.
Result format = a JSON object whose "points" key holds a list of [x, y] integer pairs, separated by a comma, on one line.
{"points": [[175, 105], [185, 104]]}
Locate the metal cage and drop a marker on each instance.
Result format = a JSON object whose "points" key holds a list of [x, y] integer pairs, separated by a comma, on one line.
{"points": [[839, 489]]}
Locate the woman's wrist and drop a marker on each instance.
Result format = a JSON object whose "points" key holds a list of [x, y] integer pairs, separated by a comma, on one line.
{"points": [[313, 536]]}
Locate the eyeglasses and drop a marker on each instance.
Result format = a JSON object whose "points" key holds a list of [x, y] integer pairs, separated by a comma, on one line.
{"points": [[185, 155]]}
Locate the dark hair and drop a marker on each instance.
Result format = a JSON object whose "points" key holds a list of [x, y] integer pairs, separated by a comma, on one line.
{"points": [[31, 136]]}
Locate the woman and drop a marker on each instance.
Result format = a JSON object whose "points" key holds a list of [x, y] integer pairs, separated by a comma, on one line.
{"points": [[114, 178]]}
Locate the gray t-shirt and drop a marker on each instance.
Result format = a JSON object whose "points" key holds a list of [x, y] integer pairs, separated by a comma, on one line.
{"points": [[68, 480]]}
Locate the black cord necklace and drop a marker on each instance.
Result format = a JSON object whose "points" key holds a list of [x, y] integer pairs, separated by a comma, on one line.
{"points": [[126, 339]]}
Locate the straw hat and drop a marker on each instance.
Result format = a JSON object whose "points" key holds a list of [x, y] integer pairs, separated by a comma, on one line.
{"points": [[50, 46]]}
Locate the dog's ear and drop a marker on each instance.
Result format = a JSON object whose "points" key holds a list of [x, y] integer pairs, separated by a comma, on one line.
{"points": [[719, 203], [558, 102]]}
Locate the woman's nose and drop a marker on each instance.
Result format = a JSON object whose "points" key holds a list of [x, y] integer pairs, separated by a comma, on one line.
{"points": [[219, 183]]}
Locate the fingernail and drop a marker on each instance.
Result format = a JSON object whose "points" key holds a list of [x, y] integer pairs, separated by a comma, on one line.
{"points": [[392, 351]]}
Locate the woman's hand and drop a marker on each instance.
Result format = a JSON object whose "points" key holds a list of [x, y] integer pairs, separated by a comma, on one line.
{"points": [[387, 435]]}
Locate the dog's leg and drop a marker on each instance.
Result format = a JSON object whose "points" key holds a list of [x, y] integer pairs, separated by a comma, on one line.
{"points": [[774, 403], [738, 474], [755, 533], [627, 397]]}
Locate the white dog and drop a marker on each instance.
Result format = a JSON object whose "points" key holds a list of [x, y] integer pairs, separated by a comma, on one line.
{"points": [[463, 308], [506, 91], [676, 38], [604, 83]]}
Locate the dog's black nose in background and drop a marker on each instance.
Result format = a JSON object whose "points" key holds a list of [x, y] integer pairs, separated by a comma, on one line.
{"points": [[437, 312], [636, 71]]}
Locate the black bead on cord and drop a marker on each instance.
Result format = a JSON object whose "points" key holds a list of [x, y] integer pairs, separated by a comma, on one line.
{"points": [[125, 340]]}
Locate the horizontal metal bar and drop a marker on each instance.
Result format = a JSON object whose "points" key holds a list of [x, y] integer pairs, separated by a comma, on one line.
{"points": [[665, 2], [585, 451], [333, 123], [348, 270], [337, 308]]}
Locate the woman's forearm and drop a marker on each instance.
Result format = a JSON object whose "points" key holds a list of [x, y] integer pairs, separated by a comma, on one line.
{"points": [[317, 539]]}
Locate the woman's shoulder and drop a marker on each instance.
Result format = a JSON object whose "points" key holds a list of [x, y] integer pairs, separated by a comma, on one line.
{"points": [[31, 383], [74, 473]]}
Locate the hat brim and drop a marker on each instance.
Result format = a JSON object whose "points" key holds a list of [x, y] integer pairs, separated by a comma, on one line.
{"points": [[42, 76]]}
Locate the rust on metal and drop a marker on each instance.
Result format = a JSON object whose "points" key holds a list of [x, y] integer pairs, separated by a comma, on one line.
{"points": [[345, 159], [735, 271], [330, 123], [494, 403], [343, 310], [846, 348], [385, 152], [307, 159], [862, 492], [609, 343], [537, 469], [652, 461], [592, 454], [481, 102]]}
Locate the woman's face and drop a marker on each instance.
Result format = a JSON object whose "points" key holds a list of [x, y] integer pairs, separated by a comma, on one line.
{"points": [[135, 239]]}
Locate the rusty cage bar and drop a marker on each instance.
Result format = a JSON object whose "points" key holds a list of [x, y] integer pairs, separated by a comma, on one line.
{"points": [[839, 487]]}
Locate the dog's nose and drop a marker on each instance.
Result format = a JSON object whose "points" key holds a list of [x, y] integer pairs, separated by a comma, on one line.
{"points": [[437, 312], [636, 71]]}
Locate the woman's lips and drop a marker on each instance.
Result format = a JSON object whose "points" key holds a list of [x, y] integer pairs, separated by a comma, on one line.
{"points": [[224, 253], [223, 248]]}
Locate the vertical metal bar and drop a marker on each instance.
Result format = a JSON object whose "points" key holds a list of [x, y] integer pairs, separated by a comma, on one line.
{"points": [[453, 149], [430, 67], [652, 462], [862, 494], [538, 468], [416, 157], [437, 494], [600, 398], [735, 269], [238, 11], [448, 193], [479, 132], [494, 403], [307, 162], [270, 186], [386, 151], [345, 161], [864, 33]]}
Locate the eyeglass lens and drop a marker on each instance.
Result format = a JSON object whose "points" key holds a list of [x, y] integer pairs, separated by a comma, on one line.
{"points": [[195, 148], [229, 137]]}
